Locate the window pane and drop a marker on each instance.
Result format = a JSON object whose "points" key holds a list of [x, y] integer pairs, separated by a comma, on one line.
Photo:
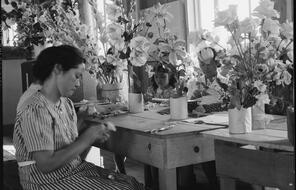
{"points": [[207, 10]]}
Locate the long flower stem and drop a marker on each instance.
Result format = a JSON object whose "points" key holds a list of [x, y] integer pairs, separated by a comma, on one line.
{"points": [[279, 45], [239, 48], [236, 43]]}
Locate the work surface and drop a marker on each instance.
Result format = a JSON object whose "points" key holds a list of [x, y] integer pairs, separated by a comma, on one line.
{"points": [[181, 145], [273, 137], [184, 143]]}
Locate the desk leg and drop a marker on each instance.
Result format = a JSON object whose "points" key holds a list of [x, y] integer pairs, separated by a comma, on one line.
{"points": [[167, 179], [227, 183]]}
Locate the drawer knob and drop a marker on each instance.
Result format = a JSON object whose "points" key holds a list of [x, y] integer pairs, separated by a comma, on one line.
{"points": [[149, 146], [196, 149]]}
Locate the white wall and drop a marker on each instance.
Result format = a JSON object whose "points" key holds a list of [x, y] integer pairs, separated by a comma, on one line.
{"points": [[12, 88]]}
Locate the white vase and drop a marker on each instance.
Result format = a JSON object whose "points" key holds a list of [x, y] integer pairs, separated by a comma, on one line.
{"points": [[259, 119], [112, 92], [240, 121], [178, 108], [135, 102]]}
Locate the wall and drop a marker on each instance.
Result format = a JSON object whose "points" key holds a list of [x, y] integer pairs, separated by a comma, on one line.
{"points": [[285, 7], [12, 88]]}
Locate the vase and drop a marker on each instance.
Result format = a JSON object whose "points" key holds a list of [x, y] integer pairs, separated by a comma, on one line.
{"points": [[178, 108], [112, 92], [135, 102], [259, 119], [291, 124], [240, 121]]}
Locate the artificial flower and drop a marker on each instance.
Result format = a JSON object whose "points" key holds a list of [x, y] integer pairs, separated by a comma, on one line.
{"points": [[271, 27], [226, 17], [259, 54], [287, 30], [266, 10], [160, 14]]}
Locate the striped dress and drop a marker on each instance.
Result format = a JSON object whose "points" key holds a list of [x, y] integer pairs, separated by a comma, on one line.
{"points": [[42, 125]]}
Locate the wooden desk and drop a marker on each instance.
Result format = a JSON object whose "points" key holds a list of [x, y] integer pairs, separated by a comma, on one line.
{"points": [[270, 164], [180, 146]]}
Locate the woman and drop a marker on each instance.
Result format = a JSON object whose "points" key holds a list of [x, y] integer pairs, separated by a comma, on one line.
{"points": [[46, 136], [162, 84]]}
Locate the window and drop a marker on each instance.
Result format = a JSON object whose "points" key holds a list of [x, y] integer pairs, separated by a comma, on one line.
{"points": [[8, 36], [201, 14]]}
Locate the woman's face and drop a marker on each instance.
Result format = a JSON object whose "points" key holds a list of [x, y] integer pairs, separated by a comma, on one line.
{"points": [[69, 81], [161, 79]]}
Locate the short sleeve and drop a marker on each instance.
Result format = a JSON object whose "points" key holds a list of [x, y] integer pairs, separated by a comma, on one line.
{"points": [[71, 110], [37, 127]]}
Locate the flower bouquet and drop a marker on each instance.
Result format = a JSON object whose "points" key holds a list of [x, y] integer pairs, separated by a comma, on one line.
{"points": [[29, 31], [258, 57], [170, 52], [255, 54], [124, 48]]}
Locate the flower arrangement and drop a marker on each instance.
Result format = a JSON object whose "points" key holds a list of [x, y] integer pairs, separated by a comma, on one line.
{"points": [[123, 46], [62, 25], [59, 22], [169, 51], [259, 55], [25, 14]]}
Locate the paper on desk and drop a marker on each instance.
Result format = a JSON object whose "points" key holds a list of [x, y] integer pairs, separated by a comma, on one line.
{"points": [[213, 118]]}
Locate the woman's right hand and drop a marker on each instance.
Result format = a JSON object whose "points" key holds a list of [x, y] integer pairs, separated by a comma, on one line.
{"points": [[96, 132]]}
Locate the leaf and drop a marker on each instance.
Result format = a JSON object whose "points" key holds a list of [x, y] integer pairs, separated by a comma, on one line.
{"points": [[14, 4]]}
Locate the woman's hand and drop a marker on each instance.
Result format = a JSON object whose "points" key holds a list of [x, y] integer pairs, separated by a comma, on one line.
{"points": [[94, 133], [97, 131]]}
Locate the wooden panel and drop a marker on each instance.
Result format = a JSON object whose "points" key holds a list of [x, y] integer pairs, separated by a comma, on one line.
{"points": [[167, 179], [138, 147], [12, 88], [196, 149], [273, 169], [227, 183], [281, 7]]}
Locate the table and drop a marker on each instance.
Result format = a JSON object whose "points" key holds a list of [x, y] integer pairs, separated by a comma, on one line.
{"points": [[270, 163], [180, 146]]}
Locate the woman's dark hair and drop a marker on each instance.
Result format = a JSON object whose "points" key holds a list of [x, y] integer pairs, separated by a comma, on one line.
{"points": [[162, 69], [67, 56]]}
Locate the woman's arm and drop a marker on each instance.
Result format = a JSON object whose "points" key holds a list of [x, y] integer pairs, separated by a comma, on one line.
{"points": [[48, 160]]}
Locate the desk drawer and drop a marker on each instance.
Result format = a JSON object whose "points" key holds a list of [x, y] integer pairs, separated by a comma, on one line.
{"points": [[137, 146], [190, 149]]}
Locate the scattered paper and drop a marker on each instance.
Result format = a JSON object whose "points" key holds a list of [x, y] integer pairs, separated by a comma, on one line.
{"points": [[219, 118]]}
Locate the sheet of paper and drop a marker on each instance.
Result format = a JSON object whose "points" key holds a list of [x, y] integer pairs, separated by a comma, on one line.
{"points": [[217, 118]]}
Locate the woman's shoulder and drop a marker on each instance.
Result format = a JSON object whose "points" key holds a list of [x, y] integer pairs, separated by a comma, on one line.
{"points": [[33, 102]]}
